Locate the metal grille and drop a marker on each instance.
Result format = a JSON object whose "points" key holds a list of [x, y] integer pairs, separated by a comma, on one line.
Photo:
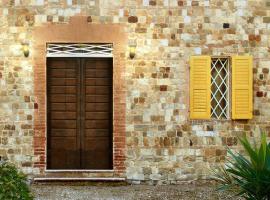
{"points": [[79, 50], [220, 88]]}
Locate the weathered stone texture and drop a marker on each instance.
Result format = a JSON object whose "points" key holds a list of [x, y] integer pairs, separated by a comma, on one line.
{"points": [[162, 144]]}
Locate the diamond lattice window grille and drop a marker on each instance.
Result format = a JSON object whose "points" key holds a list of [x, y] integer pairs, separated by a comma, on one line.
{"points": [[79, 50], [220, 88]]}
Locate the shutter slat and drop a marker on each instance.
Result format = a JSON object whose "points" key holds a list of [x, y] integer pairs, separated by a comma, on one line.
{"points": [[200, 87], [242, 87]]}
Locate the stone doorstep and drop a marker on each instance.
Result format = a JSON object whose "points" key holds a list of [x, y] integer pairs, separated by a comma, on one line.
{"points": [[97, 179], [78, 175]]}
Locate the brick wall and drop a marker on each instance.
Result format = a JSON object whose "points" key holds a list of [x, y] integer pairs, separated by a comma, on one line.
{"points": [[161, 143]]}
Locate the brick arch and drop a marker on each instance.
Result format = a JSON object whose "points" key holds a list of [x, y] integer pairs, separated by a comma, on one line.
{"points": [[79, 31]]}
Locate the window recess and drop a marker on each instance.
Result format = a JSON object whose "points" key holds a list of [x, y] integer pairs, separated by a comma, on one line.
{"points": [[220, 75]]}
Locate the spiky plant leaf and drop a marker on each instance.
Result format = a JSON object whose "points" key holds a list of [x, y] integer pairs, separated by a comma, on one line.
{"points": [[249, 174]]}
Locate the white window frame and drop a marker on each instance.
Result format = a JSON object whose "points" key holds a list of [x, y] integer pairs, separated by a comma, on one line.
{"points": [[226, 66]]}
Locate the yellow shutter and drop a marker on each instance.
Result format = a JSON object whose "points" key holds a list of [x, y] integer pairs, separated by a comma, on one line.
{"points": [[200, 87], [242, 87]]}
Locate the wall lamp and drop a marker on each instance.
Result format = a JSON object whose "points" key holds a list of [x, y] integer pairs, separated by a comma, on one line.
{"points": [[25, 49], [132, 48], [132, 51]]}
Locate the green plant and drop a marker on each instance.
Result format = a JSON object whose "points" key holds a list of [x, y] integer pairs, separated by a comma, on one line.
{"points": [[250, 175], [13, 184]]}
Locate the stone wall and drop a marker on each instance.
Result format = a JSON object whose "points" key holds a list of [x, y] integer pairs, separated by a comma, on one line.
{"points": [[162, 144]]}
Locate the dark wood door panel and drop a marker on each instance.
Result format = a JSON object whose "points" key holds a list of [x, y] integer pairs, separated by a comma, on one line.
{"points": [[62, 81], [99, 63], [99, 90], [97, 82], [63, 132], [63, 124], [63, 98], [95, 107], [60, 63], [58, 73], [97, 139], [64, 153], [98, 98], [95, 153], [63, 73], [62, 116], [79, 99], [97, 73], [96, 115], [97, 133], [97, 124], [63, 107], [63, 89]]}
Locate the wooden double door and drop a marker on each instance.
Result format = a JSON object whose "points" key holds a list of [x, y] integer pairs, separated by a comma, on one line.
{"points": [[79, 113]]}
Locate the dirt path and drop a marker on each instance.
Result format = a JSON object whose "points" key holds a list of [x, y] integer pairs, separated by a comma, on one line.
{"points": [[128, 192]]}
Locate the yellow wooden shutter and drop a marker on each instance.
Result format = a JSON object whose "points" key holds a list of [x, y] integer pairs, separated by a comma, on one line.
{"points": [[242, 87], [200, 87]]}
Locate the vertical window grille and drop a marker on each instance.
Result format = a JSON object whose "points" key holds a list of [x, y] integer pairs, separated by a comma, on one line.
{"points": [[220, 88]]}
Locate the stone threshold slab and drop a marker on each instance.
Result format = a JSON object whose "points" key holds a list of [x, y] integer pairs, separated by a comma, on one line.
{"points": [[44, 179]]}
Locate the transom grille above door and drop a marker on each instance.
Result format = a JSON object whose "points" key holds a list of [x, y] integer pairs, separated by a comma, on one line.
{"points": [[79, 50]]}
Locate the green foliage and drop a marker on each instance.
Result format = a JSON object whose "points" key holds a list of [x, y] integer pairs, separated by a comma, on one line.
{"points": [[13, 184], [250, 175]]}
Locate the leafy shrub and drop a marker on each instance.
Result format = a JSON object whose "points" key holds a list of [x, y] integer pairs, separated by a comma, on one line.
{"points": [[13, 184], [250, 175]]}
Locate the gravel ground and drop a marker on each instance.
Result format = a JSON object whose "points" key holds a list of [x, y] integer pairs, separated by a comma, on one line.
{"points": [[127, 192]]}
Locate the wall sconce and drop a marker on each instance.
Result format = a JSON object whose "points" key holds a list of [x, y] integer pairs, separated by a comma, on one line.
{"points": [[132, 48], [132, 51], [25, 49]]}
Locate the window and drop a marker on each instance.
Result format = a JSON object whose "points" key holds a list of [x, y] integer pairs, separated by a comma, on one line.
{"points": [[220, 88], [218, 94]]}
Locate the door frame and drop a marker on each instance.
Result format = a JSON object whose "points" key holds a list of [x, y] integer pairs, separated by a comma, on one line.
{"points": [[84, 33]]}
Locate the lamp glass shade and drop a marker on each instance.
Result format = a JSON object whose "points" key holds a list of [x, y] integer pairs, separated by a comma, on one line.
{"points": [[26, 50], [132, 51]]}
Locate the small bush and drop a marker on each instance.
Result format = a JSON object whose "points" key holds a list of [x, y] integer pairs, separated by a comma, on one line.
{"points": [[250, 175], [13, 184]]}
